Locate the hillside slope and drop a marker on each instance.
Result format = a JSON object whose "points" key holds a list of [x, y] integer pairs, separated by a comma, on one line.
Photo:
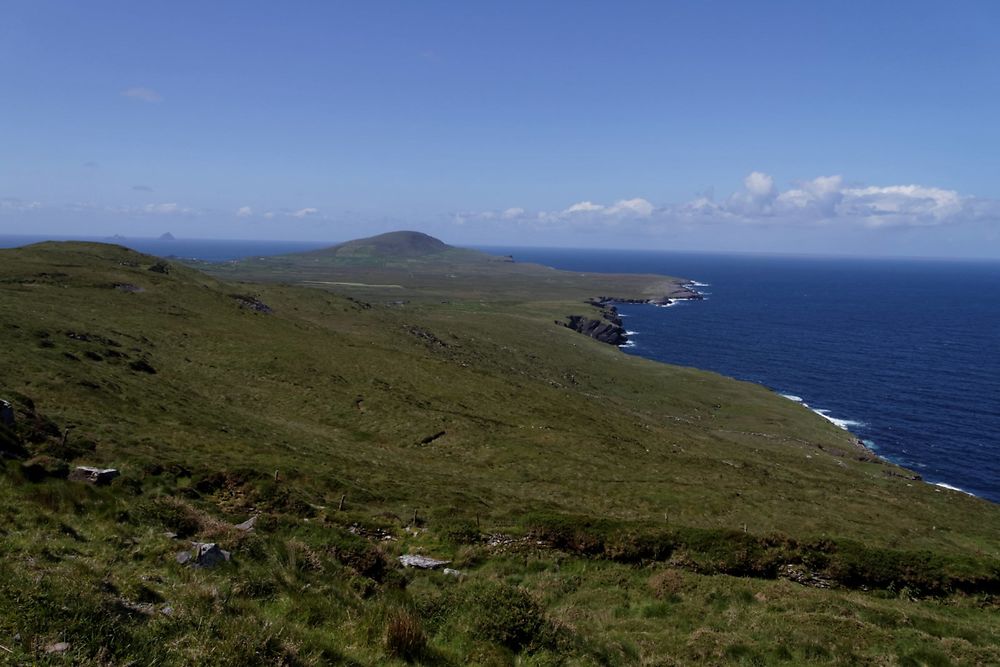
{"points": [[598, 495]]}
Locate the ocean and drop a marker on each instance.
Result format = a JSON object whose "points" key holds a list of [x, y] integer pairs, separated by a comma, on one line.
{"points": [[903, 353]]}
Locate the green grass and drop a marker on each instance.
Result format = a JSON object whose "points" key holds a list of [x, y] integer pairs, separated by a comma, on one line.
{"points": [[645, 510]]}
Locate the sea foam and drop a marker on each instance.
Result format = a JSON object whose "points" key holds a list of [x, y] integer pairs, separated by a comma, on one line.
{"points": [[953, 488], [845, 424]]}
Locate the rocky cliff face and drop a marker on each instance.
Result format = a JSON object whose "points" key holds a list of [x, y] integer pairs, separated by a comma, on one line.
{"points": [[607, 329]]}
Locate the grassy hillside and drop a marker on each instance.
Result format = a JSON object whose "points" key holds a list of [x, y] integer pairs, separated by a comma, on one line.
{"points": [[414, 266], [601, 509]]}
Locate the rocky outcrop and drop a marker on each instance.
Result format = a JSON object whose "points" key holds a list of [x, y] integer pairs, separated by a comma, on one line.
{"points": [[422, 562], [607, 329], [203, 554], [250, 302], [98, 476], [602, 330]]}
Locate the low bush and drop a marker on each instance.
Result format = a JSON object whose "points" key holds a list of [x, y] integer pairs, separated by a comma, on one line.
{"points": [[721, 551], [404, 635]]}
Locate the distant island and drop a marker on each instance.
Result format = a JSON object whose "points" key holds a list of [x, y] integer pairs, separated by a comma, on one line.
{"points": [[167, 236]]}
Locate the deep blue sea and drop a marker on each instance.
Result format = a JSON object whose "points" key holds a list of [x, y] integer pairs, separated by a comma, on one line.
{"points": [[904, 353]]}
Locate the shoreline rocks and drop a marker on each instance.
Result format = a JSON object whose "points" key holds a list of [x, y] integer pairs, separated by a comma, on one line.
{"points": [[609, 328], [605, 330]]}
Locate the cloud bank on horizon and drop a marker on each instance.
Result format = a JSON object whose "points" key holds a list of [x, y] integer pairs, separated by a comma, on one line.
{"points": [[807, 216], [825, 200]]}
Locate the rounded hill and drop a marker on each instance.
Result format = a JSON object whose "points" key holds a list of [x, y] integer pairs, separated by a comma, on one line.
{"points": [[392, 244]]}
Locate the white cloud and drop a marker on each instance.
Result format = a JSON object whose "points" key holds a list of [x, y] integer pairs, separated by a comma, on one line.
{"points": [[304, 212], [911, 205], [583, 207], [638, 207], [244, 212], [142, 94], [759, 184], [824, 200]]}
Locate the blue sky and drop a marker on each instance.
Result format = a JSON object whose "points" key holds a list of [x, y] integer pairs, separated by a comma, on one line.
{"points": [[849, 127]]}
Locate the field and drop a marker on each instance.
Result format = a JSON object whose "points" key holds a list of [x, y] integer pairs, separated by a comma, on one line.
{"points": [[375, 401]]}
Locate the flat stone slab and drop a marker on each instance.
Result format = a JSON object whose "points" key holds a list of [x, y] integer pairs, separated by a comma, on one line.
{"points": [[98, 476], [422, 562], [247, 525]]}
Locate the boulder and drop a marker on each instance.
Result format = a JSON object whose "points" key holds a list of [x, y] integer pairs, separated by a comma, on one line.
{"points": [[422, 562], [203, 554], [98, 476]]}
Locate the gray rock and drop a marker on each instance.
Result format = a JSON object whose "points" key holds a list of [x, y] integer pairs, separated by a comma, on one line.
{"points": [[58, 647], [247, 525], [98, 476], [203, 554], [422, 562], [452, 573]]}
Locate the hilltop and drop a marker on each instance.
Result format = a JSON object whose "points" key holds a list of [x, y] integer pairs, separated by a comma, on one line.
{"points": [[596, 508], [391, 245]]}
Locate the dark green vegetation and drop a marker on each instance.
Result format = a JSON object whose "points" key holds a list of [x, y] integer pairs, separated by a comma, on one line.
{"points": [[602, 509]]}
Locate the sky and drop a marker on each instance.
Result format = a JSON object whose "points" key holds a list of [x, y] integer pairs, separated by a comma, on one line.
{"points": [[860, 128]]}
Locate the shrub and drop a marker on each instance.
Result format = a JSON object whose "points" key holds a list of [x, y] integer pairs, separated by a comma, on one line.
{"points": [[359, 555], [503, 614], [38, 468], [461, 532], [665, 584], [404, 635], [171, 513]]}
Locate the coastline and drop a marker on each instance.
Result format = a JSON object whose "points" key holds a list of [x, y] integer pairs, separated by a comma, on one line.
{"points": [[863, 451]]}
